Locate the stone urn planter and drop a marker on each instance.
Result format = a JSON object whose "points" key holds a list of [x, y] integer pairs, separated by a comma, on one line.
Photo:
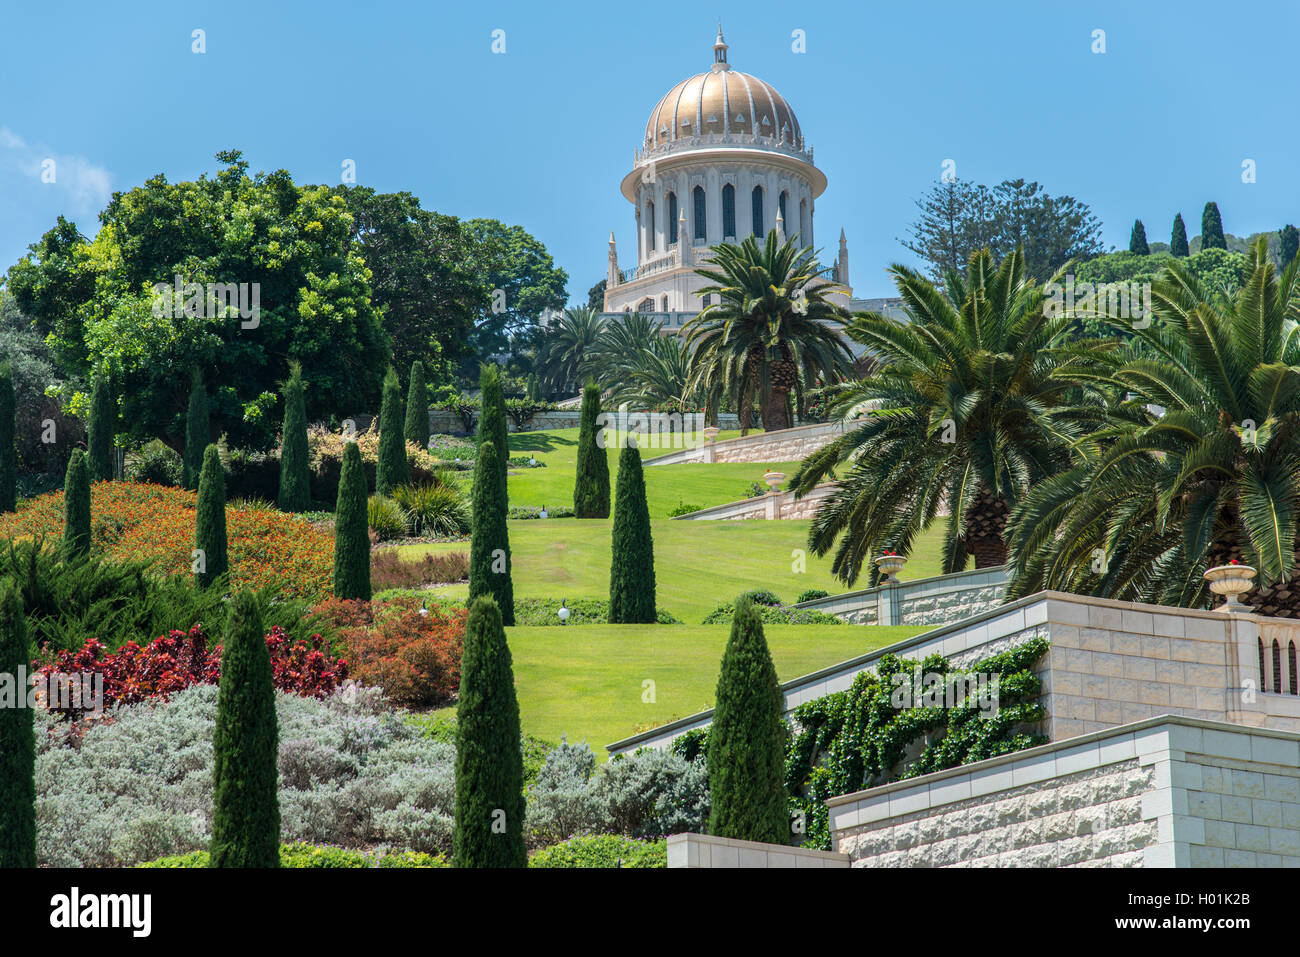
{"points": [[711, 434], [1230, 581], [890, 566], [773, 479]]}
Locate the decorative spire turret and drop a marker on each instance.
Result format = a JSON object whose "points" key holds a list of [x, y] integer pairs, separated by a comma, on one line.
{"points": [[612, 277], [843, 260], [720, 52]]}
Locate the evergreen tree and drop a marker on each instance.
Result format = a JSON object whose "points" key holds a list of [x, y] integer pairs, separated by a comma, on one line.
{"points": [[1212, 228], [8, 446], [1137, 240], [632, 557], [417, 408], [393, 469], [492, 421], [196, 434], [99, 438], [295, 465], [245, 745], [352, 530], [1178, 241], [489, 545], [591, 486], [210, 521], [1289, 244], [76, 506], [746, 756], [17, 739], [489, 760]]}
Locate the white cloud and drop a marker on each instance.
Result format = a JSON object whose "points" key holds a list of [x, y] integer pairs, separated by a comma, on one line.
{"points": [[87, 185]]}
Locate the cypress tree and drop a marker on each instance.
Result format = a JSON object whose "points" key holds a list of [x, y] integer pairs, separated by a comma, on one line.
{"points": [[489, 761], [295, 467], [746, 756], [591, 486], [99, 439], [1137, 240], [392, 469], [17, 739], [245, 745], [352, 530], [492, 422], [1178, 241], [76, 507], [489, 545], [1288, 244], [196, 435], [1212, 228], [210, 521], [417, 408], [632, 557], [8, 448]]}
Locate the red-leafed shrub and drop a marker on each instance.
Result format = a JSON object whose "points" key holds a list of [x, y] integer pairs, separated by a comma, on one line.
{"points": [[175, 661], [413, 657]]}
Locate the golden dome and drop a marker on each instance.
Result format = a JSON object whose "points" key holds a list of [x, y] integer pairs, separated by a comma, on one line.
{"points": [[722, 101]]}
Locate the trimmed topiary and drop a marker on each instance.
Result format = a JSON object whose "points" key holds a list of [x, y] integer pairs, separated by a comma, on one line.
{"points": [[489, 829], [489, 546], [196, 435], [492, 420], [17, 739], [392, 469], [76, 506], [295, 464], [351, 531], [211, 562], [8, 446], [417, 408], [1212, 228], [591, 486], [1178, 238], [245, 745], [1137, 240], [99, 433], [632, 556], [746, 756]]}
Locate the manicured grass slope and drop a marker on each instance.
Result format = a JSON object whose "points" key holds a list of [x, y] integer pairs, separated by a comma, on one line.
{"points": [[587, 682]]}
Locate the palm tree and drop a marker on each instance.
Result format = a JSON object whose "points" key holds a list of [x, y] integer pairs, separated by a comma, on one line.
{"points": [[658, 375], [977, 397], [1203, 467], [568, 348], [619, 347], [771, 331]]}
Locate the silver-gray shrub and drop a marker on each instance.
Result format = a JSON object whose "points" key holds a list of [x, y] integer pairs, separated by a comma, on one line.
{"points": [[352, 773], [645, 795]]}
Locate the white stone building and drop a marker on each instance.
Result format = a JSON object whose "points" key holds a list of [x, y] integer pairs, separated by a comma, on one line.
{"points": [[723, 157]]}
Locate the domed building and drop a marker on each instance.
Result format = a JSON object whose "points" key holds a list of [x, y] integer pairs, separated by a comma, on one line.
{"points": [[723, 157]]}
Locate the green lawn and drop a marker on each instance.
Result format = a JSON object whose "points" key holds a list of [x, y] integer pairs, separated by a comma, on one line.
{"points": [[698, 565], [666, 485], [587, 682]]}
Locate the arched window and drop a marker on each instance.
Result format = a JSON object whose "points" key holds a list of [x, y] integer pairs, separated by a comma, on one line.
{"points": [[1290, 660], [1277, 667], [1262, 683], [804, 225], [729, 211], [707, 299], [648, 305], [701, 216], [780, 204], [672, 219], [650, 226], [663, 304], [757, 202]]}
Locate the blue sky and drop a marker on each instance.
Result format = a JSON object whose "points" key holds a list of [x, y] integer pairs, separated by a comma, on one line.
{"points": [[540, 136]]}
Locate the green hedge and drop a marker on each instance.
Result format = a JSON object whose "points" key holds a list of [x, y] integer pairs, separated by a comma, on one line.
{"points": [[311, 855], [602, 850]]}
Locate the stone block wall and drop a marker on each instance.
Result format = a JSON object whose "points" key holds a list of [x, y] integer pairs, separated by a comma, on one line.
{"points": [[706, 850], [927, 601], [783, 505], [787, 445]]}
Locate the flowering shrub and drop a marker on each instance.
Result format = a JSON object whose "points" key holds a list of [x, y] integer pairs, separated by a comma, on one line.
{"points": [[135, 521], [413, 657], [177, 660], [326, 450]]}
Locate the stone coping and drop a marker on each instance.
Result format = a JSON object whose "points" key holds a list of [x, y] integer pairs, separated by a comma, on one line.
{"points": [[1083, 743], [679, 456], [1023, 612], [756, 503], [709, 850], [933, 585]]}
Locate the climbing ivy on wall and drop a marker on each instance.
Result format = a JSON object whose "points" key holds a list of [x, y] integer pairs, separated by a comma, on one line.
{"points": [[884, 729]]}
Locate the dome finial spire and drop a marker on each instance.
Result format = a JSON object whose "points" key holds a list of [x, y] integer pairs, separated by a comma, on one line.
{"points": [[720, 52]]}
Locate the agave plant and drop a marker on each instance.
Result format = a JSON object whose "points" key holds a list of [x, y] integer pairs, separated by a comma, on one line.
{"points": [[1203, 469], [772, 331], [976, 397]]}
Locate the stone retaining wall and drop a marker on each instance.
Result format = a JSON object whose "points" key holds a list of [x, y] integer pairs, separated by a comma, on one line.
{"points": [[781, 505], [927, 601], [787, 445]]}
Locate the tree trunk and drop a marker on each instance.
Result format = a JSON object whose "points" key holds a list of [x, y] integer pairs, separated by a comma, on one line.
{"points": [[986, 529], [775, 411]]}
